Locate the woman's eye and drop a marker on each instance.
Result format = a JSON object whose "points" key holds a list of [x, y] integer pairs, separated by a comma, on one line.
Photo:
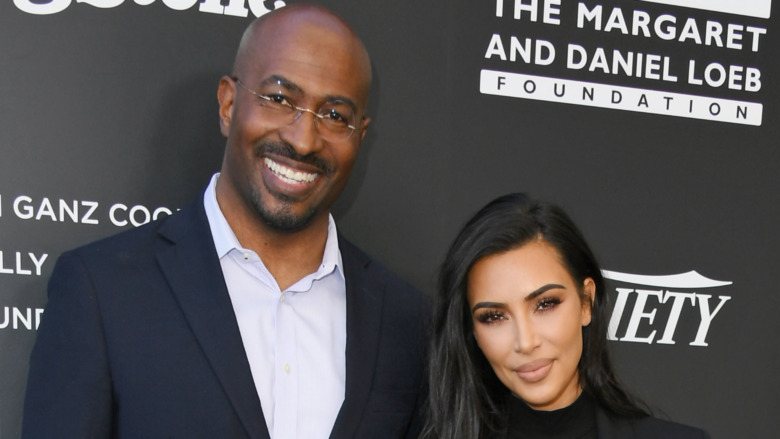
{"points": [[547, 304], [490, 317]]}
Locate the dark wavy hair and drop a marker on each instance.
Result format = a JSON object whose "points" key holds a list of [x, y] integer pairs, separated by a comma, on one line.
{"points": [[466, 400]]}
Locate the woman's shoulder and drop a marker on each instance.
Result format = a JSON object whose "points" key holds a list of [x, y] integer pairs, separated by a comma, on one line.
{"points": [[611, 426], [669, 429]]}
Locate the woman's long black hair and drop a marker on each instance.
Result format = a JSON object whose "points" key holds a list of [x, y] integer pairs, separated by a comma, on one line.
{"points": [[466, 399]]}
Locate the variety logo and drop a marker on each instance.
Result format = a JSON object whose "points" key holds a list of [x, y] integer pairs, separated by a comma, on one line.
{"points": [[674, 295], [751, 8]]}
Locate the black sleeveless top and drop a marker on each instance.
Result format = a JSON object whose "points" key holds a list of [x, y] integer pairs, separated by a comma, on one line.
{"points": [[577, 421]]}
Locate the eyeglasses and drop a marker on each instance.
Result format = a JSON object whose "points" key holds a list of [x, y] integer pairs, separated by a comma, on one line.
{"points": [[335, 121]]}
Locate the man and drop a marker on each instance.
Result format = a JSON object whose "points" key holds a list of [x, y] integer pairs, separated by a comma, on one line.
{"points": [[245, 315]]}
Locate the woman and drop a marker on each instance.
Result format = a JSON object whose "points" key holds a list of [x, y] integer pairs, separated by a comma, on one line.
{"points": [[519, 346]]}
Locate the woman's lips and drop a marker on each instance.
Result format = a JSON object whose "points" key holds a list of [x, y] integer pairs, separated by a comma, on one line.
{"points": [[534, 371]]}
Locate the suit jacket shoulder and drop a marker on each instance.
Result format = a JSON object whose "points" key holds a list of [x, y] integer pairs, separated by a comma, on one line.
{"points": [[139, 339], [611, 426], [139, 242], [354, 258]]}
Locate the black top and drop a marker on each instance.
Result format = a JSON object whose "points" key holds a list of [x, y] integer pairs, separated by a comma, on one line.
{"points": [[577, 421]]}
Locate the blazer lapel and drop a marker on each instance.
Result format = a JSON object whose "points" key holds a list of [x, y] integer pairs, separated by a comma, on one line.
{"points": [[364, 311], [195, 276]]}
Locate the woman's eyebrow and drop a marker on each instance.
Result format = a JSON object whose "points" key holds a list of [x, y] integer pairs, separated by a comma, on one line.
{"points": [[541, 290], [487, 305], [534, 294]]}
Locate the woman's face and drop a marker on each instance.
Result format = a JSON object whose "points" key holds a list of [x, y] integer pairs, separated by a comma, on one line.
{"points": [[528, 318]]}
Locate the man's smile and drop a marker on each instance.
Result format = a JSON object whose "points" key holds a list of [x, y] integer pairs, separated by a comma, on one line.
{"points": [[287, 174]]}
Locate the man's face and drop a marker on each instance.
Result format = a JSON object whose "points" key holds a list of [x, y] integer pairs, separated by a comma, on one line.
{"points": [[284, 171]]}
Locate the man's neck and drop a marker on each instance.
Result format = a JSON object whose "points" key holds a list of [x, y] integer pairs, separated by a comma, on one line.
{"points": [[288, 256]]}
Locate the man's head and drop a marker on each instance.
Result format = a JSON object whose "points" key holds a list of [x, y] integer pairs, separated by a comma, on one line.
{"points": [[283, 164]]}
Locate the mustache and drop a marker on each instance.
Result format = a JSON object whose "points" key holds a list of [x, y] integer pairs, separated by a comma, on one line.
{"points": [[284, 149]]}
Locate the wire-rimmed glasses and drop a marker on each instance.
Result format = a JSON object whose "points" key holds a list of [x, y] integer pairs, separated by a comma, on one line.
{"points": [[335, 120]]}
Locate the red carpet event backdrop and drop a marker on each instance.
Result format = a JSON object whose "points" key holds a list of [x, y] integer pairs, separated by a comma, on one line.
{"points": [[654, 123]]}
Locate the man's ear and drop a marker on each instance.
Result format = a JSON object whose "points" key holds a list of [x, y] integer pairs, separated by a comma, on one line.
{"points": [[364, 127], [588, 298], [226, 95]]}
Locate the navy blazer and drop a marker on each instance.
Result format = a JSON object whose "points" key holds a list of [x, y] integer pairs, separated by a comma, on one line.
{"points": [[139, 340]]}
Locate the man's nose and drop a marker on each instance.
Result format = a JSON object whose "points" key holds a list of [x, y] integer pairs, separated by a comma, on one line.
{"points": [[302, 133]]}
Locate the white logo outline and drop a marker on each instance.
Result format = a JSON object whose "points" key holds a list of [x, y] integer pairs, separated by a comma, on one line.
{"points": [[691, 279]]}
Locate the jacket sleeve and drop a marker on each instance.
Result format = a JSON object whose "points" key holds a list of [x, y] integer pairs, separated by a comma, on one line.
{"points": [[69, 385]]}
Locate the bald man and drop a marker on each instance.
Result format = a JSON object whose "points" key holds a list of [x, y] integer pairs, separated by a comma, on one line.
{"points": [[246, 314]]}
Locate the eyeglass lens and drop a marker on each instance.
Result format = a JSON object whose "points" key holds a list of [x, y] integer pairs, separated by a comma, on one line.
{"points": [[334, 120]]}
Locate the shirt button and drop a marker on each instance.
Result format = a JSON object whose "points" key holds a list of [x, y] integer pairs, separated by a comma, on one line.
{"points": [[246, 256], [286, 368], [284, 296]]}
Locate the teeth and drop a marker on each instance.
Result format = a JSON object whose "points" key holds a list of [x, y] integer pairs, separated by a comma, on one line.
{"points": [[287, 174]]}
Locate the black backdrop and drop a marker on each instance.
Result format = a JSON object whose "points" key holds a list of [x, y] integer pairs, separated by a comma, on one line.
{"points": [[109, 116]]}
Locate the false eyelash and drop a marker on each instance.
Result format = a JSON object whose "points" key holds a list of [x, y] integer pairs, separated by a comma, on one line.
{"points": [[489, 317], [547, 304]]}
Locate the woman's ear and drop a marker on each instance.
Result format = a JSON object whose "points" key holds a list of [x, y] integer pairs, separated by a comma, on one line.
{"points": [[588, 298]]}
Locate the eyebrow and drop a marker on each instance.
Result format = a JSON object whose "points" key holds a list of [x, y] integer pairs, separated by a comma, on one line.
{"points": [[488, 305], [534, 294], [541, 290], [286, 83], [281, 80]]}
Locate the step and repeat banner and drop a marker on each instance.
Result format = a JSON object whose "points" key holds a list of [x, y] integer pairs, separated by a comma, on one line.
{"points": [[654, 123]]}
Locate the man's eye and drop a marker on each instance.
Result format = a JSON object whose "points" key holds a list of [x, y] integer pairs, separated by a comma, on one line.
{"points": [[278, 99], [335, 116]]}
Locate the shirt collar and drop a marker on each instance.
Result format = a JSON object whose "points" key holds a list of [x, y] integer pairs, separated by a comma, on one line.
{"points": [[225, 240]]}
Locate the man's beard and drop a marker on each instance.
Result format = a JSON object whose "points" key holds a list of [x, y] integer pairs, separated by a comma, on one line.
{"points": [[284, 219]]}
